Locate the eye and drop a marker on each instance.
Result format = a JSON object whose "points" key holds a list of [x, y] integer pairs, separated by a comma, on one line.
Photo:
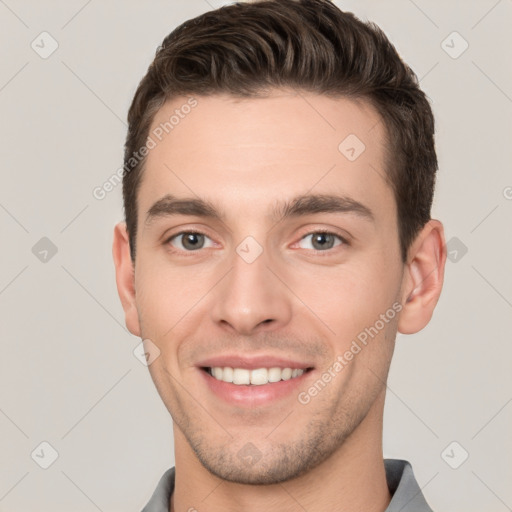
{"points": [[323, 240], [188, 241]]}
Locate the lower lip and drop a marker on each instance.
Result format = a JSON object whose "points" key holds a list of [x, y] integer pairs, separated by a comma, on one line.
{"points": [[251, 396]]}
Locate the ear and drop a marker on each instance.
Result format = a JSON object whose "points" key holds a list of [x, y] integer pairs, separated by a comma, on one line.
{"points": [[423, 278], [125, 277]]}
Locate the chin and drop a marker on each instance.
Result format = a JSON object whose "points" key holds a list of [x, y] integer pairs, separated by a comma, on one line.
{"points": [[249, 466]]}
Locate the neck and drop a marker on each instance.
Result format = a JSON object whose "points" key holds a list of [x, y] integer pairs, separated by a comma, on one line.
{"points": [[353, 478]]}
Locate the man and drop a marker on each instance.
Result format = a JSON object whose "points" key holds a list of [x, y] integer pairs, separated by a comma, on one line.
{"points": [[280, 169]]}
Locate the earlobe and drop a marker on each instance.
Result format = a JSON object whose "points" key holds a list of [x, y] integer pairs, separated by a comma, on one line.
{"points": [[125, 277], [423, 278]]}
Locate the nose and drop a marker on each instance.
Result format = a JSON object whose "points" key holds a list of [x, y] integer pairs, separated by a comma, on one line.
{"points": [[251, 298]]}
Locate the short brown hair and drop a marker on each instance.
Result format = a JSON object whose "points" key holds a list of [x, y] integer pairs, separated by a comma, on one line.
{"points": [[248, 49]]}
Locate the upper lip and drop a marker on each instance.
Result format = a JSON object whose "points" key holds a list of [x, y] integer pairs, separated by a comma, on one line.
{"points": [[252, 362]]}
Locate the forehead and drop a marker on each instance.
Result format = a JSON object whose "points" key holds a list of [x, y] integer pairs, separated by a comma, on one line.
{"points": [[251, 151]]}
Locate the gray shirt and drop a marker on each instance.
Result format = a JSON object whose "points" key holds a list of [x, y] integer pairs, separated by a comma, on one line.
{"points": [[406, 494]]}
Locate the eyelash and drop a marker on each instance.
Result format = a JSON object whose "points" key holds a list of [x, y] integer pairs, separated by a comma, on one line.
{"points": [[327, 252]]}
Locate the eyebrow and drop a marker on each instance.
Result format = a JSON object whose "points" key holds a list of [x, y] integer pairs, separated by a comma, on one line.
{"points": [[299, 206]]}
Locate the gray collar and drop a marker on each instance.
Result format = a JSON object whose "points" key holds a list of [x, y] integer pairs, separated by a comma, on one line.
{"points": [[405, 491]]}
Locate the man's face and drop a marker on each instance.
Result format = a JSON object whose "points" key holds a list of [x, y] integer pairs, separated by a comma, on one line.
{"points": [[258, 290]]}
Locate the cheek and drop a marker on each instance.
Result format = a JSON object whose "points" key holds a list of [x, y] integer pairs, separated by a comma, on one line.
{"points": [[165, 296], [348, 298]]}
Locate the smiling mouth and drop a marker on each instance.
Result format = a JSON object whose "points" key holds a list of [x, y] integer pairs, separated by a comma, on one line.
{"points": [[256, 377]]}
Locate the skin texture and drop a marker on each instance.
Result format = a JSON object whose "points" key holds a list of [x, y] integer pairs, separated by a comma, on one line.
{"points": [[244, 155]]}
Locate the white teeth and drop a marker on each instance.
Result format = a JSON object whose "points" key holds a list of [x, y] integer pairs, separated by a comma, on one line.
{"points": [[274, 374], [257, 377], [227, 374], [286, 374], [240, 376]]}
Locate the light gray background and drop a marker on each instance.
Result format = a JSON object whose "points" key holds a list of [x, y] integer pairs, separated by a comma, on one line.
{"points": [[68, 375]]}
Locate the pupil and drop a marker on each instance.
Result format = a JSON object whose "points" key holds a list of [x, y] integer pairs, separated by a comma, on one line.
{"points": [[191, 238], [318, 239]]}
